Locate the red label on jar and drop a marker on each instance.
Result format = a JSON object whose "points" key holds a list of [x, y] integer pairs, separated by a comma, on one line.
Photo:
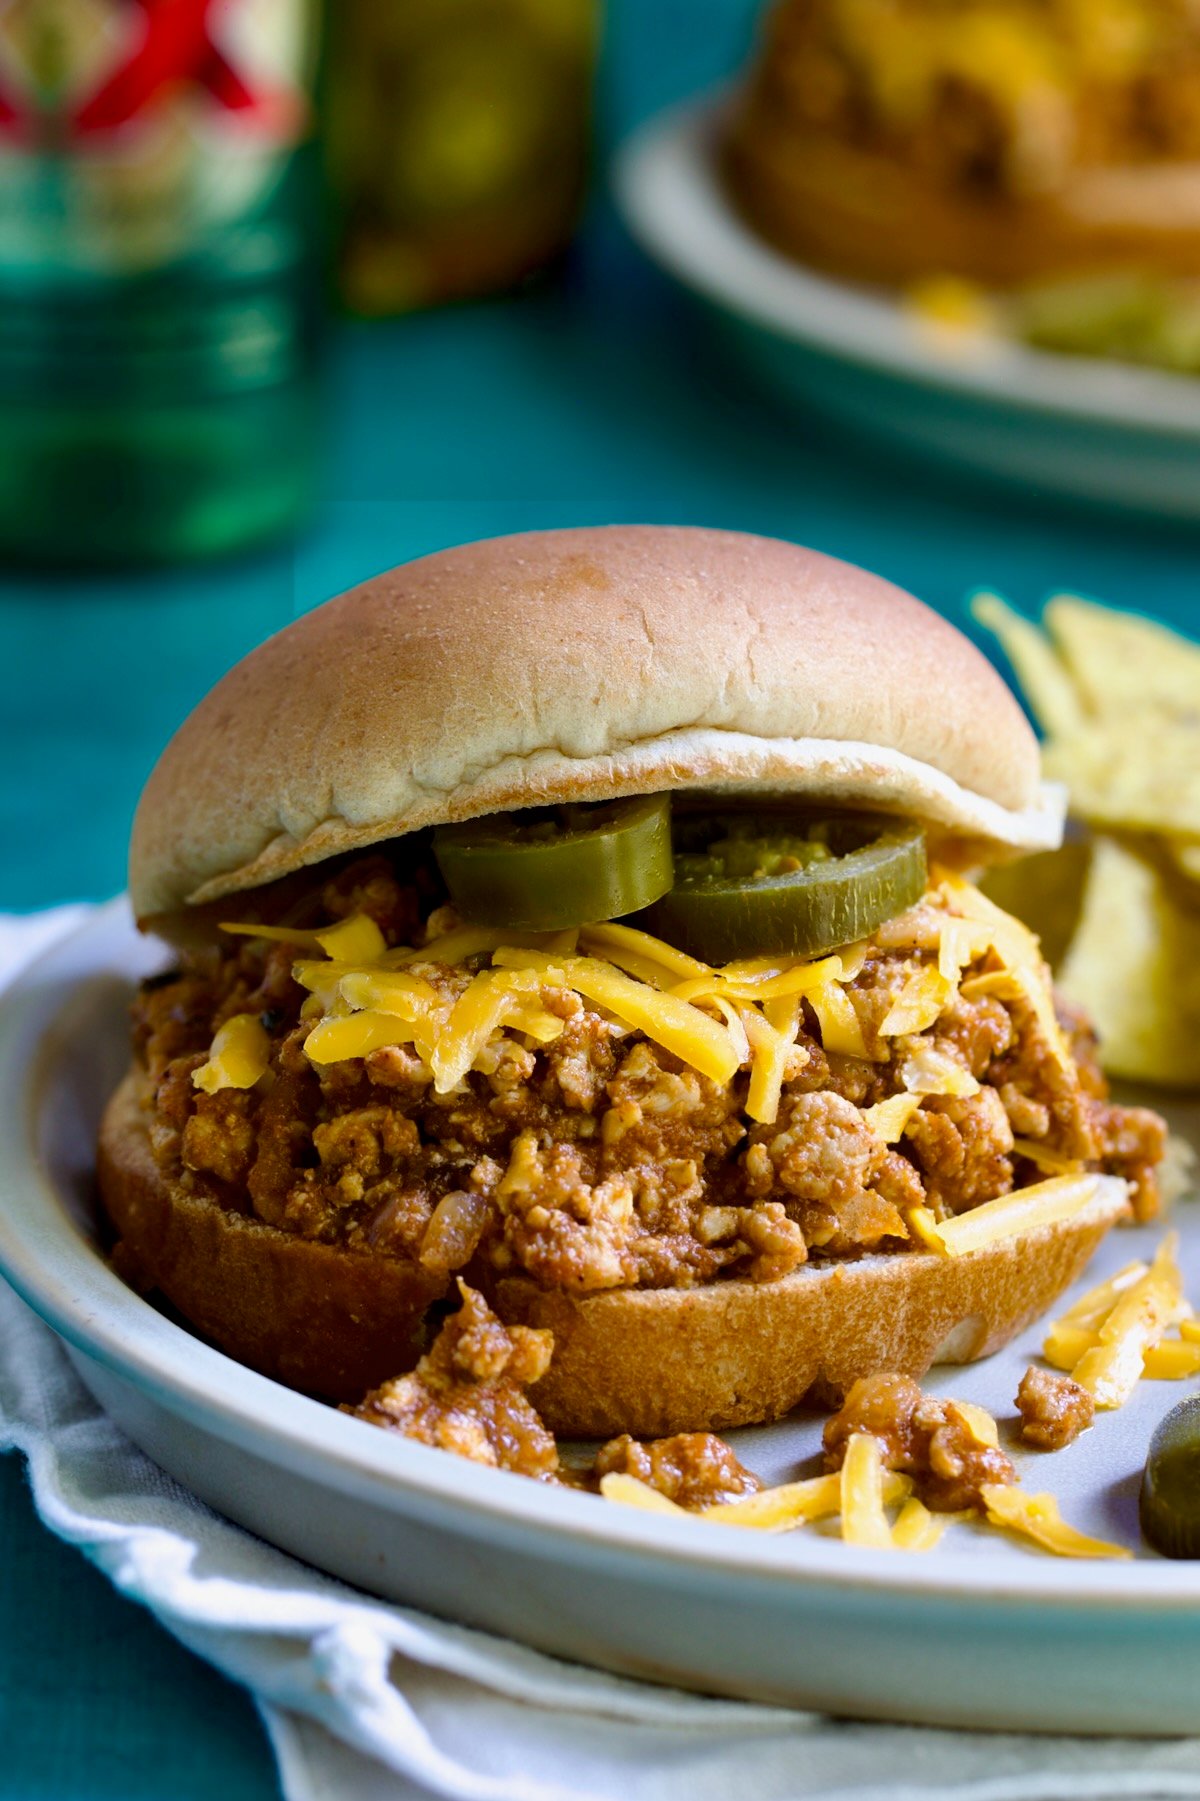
{"points": [[71, 70], [131, 130]]}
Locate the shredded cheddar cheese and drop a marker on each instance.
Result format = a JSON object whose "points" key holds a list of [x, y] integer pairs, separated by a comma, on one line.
{"points": [[796, 1503], [1015, 945], [769, 1051], [1116, 1333], [297, 935], [746, 1015], [929, 1068], [1010, 1216], [1172, 1360], [1052, 1161], [771, 1510], [1094, 1307], [238, 1058], [355, 940], [695, 1037], [488, 1003], [921, 1001], [982, 1426], [1037, 1517], [917, 1529], [632, 1493], [770, 985], [388, 991], [1140, 1318], [1064, 1345], [841, 1031], [864, 1521], [356, 1035], [617, 942], [888, 1119]]}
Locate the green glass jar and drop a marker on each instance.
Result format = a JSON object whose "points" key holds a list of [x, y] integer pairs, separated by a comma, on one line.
{"points": [[160, 276]]}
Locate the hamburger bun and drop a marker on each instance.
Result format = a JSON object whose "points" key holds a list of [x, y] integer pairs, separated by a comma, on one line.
{"points": [[656, 1361], [871, 218], [567, 666], [1000, 143], [584, 665], [646, 1361], [321, 1319]]}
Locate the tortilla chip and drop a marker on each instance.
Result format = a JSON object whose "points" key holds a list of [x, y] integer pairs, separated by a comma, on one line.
{"points": [[1043, 676], [1121, 661], [1185, 852], [1137, 769], [1134, 964]]}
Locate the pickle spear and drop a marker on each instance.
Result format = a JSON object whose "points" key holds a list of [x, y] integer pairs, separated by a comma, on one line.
{"points": [[748, 884], [551, 867], [1169, 1504]]}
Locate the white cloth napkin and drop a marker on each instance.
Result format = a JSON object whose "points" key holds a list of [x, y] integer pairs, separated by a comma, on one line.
{"points": [[370, 1702]]}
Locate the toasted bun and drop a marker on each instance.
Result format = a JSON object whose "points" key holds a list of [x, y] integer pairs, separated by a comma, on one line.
{"points": [[647, 1361], [582, 665], [656, 1361], [324, 1320], [872, 218]]}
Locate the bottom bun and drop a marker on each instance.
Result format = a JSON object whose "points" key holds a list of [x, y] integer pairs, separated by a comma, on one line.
{"points": [[874, 218], [656, 1361], [651, 1362], [331, 1322]]}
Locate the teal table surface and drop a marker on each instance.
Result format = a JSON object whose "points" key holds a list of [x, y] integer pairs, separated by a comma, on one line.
{"points": [[594, 397]]}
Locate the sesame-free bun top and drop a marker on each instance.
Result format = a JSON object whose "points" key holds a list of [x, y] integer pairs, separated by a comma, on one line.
{"points": [[582, 665]]}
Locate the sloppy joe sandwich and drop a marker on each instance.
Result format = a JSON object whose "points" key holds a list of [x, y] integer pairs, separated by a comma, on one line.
{"points": [[1003, 141], [586, 915]]}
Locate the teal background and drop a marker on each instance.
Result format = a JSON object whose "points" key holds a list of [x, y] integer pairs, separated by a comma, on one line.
{"points": [[593, 397]]}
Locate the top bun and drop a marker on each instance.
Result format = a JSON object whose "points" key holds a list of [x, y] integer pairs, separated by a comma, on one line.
{"points": [[582, 665]]}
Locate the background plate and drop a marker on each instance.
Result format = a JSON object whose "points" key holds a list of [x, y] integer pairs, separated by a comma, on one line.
{"points": [[1067, 426], [979, 1633]]}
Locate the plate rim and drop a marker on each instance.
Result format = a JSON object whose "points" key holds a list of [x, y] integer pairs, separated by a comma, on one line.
{"points": [[664, 181], [70, 1286]]}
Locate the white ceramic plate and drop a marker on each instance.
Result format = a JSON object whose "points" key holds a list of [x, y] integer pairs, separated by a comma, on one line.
{"points": [[1076, 426], [980, 1632]]}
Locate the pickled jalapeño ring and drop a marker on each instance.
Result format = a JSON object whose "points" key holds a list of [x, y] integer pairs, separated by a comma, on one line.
{"points": [[547, 868], [748, 884]]}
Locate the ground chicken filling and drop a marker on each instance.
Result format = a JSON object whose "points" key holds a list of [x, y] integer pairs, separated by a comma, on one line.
{"points": [[1054, 1410], [601, 1160], [467, 1395], [931, 1440]]}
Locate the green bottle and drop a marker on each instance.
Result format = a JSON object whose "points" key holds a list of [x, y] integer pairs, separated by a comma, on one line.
{"points": [[160, 276]]}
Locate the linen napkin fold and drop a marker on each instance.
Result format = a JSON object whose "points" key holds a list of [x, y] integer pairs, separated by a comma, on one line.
{"points": [[366, 1701]]}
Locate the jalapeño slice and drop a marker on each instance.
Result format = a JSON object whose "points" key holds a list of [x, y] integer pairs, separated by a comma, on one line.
{"points": [[545, 868], [748, 884]]}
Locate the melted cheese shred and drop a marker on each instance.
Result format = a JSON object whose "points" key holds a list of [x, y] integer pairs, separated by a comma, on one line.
{"points": [[1116, 1333], [694, 1037], [239, 1057], [1010, 1216], [1036, 1517], [746, 1015], [917, 1529], [864, 1519], [889, 1119], [797, 1503]]}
